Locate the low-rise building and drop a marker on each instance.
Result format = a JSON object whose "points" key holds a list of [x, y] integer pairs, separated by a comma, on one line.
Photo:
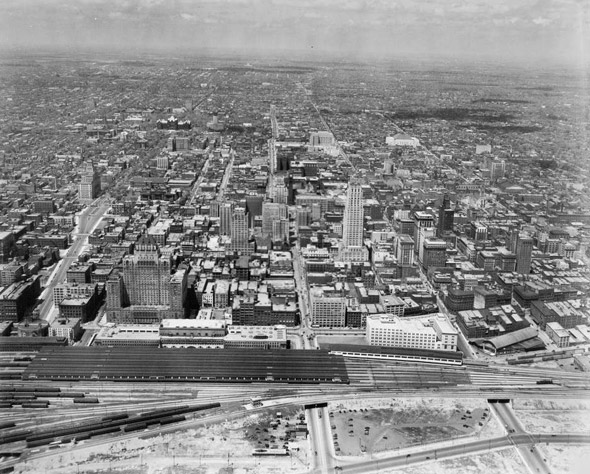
{"points": [[558, 334], [129, 335], [68, 328]]}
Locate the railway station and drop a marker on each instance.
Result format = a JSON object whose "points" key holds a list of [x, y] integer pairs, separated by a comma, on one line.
{"points": [[182, 365]]}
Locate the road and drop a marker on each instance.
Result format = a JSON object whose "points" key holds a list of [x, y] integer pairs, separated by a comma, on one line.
{"points": [[464, 449], [199, 181], [88, 220], [529, 453], [226, 175], [320, 437], [327, 127]]}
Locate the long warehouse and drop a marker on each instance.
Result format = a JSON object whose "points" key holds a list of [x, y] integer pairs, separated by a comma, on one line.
{"points": [[185, 365]]}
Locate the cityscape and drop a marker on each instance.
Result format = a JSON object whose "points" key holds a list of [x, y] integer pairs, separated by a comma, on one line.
{"points": [[238, 258]]}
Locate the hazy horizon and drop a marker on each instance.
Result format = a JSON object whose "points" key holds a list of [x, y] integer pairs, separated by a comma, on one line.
{"points": [[508, 30]]}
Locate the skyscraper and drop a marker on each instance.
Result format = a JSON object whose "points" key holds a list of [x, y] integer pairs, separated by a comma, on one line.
{"points": [[145, 292], [446, 216], [352, 248], [271, 211], [280, 230], [353, 216], [524, 250], [405, 250], [240, 232], [421, 220], [225, 217], [89, 186]]}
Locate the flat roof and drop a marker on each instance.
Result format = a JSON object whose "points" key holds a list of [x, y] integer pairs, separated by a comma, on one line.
{"points": [[366, 349], [198, 365]]}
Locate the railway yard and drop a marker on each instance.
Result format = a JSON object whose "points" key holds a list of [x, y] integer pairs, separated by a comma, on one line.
{"points": [[43, 418]]}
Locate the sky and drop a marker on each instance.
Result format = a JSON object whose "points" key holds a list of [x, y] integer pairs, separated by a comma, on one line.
{"points": [[541, 30]]}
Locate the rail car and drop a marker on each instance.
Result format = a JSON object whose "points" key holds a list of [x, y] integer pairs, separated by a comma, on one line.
{"points": [[86, 400]]}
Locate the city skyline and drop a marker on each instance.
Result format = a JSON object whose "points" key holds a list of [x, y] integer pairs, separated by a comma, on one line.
{"points": [[315, 237]]}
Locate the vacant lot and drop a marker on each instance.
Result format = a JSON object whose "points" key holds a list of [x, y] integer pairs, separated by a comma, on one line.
{"points": [[554, 416]]}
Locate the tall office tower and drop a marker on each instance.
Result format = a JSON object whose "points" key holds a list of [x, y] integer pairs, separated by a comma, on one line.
{"points": [[279, 193], [352, 248], [524, 250], [421, 220], [280, 230], [144, 291], [214, 209], [225, 214], [446, 216], [424, 233], [352, 230], [271, 211], [240, 231], [303, 216], [321, 139], [434, 253], [89, 186], [513, 236], [405, 251], [146, 274]]}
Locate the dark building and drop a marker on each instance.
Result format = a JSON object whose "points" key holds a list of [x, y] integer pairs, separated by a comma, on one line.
{"points": [[17, 298], [446, 216], [459, 300]]}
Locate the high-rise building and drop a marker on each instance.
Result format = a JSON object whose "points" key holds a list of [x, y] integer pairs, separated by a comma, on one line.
{"points": [[424, 233], [405, 250], [421, 220], [89, 186], [352, 249], [280, 230], [524, 250], [279, 193], [146, 275], [271, 212], [434, 253], [240, 232], [446, 216], [225, 217], [145, 292], [321, 139], [303, 216]]}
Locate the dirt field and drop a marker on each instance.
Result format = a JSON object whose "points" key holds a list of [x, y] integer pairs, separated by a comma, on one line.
{"points": [[397, 423], [567, 459], [554, 416]]}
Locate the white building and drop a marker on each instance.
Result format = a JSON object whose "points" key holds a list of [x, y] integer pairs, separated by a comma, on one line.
{"points": [[446, 334], [128, 335], [352, 248], [401, 139], [392, 331], [327, 310], [558, 334], [256, 337]]}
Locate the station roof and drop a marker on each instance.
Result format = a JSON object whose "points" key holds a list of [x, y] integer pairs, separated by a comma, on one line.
{"points": [[196, 365]]}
